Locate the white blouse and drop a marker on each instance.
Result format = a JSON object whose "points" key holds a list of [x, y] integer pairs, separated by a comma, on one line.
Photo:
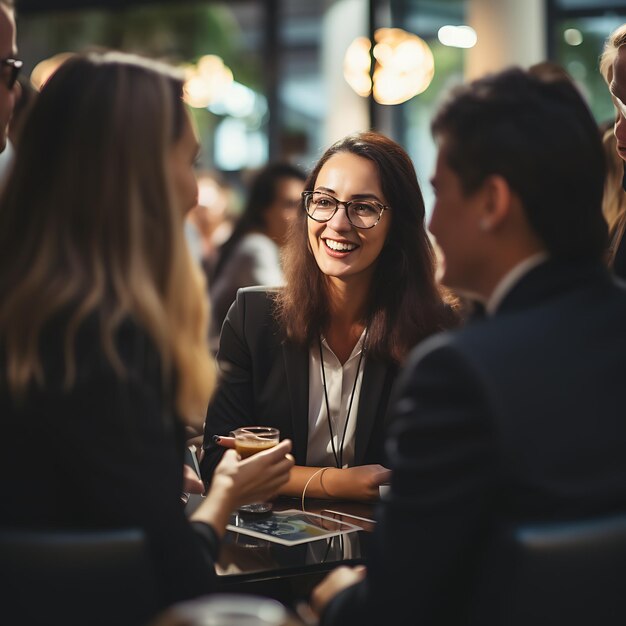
{"points": [[339, 385]]}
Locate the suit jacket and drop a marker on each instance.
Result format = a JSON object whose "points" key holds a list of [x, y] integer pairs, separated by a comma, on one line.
{"points": [[107, 453], [264, 381], [513, 419]]}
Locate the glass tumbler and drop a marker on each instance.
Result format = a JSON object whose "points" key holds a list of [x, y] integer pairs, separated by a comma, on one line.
{"points": [[248, 441]]}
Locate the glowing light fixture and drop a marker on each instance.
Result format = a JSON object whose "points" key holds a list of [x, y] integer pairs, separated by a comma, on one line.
{"points": [[404, 66], [205, 81], [235, 100], [44, 69], [457, 36], [356, 66]]}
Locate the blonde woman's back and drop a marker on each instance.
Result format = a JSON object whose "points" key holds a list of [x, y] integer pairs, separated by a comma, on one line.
{"points": [[103, 351]]}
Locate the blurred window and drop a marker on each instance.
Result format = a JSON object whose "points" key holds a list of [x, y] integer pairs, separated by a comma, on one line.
{"points": [[578, 43]]}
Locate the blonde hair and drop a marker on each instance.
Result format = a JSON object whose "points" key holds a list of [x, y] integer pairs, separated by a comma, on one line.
{"points": [[612, 44], [614, 198], [89, 224]]}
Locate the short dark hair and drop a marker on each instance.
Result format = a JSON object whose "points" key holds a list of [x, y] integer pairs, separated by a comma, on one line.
{"points": [[405, 303], [540, 136]]}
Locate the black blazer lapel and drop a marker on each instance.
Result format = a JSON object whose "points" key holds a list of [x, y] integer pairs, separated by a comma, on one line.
{"points": [[374, 376], [296, 361]]}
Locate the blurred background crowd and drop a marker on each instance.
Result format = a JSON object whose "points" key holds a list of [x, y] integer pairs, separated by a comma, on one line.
{"points": [[280, 80]]}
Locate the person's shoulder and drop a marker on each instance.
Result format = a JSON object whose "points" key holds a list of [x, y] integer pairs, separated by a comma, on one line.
{"points": [[555, 315], [133, 345], [258, 295], [255, 305], [253, 320], [446, 340], [256, 243], [95, 354], [463, 344]]}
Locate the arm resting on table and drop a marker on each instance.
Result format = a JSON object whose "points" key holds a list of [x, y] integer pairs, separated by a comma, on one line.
{"points": [[352, 483]]}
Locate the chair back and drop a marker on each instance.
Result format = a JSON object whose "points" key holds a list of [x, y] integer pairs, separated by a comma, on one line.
{"points": [[76, 577], [571, 573]]}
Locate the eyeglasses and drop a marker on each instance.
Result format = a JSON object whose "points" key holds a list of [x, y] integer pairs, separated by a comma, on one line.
{"points": [[360, 213], [15, 65]]}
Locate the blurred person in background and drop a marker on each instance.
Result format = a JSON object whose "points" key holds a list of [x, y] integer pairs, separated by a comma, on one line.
{"points": [[613, 69], [10, 67], [209, 216], [251, 255], [103, 323], [318, 357]]}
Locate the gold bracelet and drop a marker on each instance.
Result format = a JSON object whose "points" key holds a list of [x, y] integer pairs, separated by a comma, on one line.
{"points": [[321, 470]]}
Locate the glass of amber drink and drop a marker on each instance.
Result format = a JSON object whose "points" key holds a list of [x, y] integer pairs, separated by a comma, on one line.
{"points": [[248, 441]]}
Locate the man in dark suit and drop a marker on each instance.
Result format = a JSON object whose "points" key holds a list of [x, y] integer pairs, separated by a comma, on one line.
{"points": [[519, 416]]}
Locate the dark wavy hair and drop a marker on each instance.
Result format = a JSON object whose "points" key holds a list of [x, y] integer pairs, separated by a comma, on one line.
{"points": [[405, 303]]}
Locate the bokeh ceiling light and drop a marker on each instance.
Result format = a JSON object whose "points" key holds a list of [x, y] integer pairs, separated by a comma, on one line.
{"points": [[356, 66], [404, 66], [44, 69], [573, 37], [457, 36], [205, 81]]}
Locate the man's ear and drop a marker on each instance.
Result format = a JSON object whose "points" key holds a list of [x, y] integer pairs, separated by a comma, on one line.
{"points": [[497, 196]]}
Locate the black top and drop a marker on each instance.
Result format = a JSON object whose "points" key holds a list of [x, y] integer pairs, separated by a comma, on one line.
{"points": [[513, 419], [264, 381], [108, 453]]}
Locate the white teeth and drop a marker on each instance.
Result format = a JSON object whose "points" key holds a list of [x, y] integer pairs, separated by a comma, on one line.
{"points": [[340, 246]]}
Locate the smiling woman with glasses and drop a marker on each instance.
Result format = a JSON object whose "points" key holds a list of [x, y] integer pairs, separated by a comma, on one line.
{"points": [[317, 358]]}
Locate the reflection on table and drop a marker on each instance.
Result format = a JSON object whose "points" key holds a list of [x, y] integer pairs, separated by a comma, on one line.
{"points": [[246, 558]]}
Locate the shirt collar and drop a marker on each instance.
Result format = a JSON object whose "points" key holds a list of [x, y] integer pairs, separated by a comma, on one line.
{"points": [[355, 351], [511, 278]]}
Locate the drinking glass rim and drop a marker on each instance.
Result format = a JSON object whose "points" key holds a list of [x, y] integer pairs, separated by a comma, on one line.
{"points": [[261, 432]]}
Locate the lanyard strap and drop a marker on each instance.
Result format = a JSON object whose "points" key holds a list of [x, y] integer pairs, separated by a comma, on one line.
{"points": [[339, 458]]}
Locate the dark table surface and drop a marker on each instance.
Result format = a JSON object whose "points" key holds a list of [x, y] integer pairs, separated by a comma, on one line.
{"points": [[288, 573], [246, 558]]}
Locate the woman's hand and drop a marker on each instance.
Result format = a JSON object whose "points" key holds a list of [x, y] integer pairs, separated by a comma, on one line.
{"points": [[357, 483], [196, 442], [236, 482], [338, 580], [257, 478], [191, 482], [353, 483]]}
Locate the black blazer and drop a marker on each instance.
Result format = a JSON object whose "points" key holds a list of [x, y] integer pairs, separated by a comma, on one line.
{"points": [[513, 419], [264, 381], [108, 453]]}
